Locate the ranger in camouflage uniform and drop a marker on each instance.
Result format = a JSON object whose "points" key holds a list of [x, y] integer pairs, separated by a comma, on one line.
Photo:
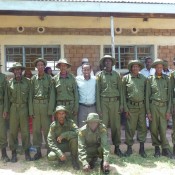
{"points": [[19, 94], [93, 143], [62, 137], [134, 88], [158, 105]]}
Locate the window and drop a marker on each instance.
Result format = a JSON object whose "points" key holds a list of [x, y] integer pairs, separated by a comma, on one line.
{"points": [[27, 54], [124, 54]]}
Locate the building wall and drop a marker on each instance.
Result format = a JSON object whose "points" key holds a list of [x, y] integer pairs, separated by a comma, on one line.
{"points": [[85, 36], [75, 53]]}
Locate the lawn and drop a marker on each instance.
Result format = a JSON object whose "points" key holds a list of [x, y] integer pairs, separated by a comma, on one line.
{"points": [[134, 165]]}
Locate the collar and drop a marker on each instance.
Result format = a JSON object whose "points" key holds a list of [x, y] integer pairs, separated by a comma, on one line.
{"points": [[65, 123], [138, 76], [21, 81], [161, 76], [67, 75], [108, 73], [43, 77], [147, 69]]}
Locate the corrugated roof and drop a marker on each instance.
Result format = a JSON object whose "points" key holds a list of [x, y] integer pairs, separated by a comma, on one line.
{"points": [[118, 1], [87, 8]]}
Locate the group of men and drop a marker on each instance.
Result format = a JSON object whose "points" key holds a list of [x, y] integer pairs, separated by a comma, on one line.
{"points": [[94, 103]]}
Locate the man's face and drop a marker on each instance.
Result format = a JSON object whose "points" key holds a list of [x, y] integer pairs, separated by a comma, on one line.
{"points": [[40, 66], [60, 115], [135, 69], [159, 68], [17, 72], [148, 63], [86, 69], [63, 67], [108, 63], [93, 125]]}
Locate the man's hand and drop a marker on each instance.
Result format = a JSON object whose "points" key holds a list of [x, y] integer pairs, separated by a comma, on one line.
{"points": [[127, 114], [63, 158], [149, 117], [5, 115], [168, 116], [59, 139], [105, 166], [86, 168], [74, 113]]}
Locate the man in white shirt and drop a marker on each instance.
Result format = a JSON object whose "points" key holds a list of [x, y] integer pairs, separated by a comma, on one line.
{"points": [[86, 91], [147, 71], [79, 69]]}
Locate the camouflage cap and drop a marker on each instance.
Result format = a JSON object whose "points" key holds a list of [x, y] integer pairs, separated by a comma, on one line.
{"points": [[64, 61], [156, 62], [15, 66], [105, 57], [92, 117], [132, 62], [60, 108], [40, 59]]}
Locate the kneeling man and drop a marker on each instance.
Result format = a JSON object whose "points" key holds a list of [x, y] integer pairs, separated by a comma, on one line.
{"points": [[92, 143], [62, 137]]}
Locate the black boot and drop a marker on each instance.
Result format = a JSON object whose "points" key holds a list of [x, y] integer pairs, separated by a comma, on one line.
{"points": [[129, 151], [27, 155], [92, 162], [75, 163], [118, 152], [4, 157], [167, 153], [38, 154], [157, 151], [142, 150], [14, 156], [102, 169]]}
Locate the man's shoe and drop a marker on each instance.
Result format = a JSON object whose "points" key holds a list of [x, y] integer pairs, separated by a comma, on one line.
{"points": [[129, 151], [75, 163], [157, 152], [4, 157], [92, 162], [142, 150], [106, 171], [27, 155], [118, 152], [167, 153], [38, 154], [14, 156]]}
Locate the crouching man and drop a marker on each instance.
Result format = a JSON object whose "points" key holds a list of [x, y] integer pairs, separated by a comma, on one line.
{"points": [[92, 143], [62, 137]]}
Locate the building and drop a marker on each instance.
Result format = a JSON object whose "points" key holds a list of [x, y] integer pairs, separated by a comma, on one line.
{"points": [[128, 29]]}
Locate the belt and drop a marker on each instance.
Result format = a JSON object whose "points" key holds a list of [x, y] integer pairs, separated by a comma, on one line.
{"points": [[136, 103], [158, 103], [87, 105], [110, 98], [65, 102], [40, 100], [19, 104]]}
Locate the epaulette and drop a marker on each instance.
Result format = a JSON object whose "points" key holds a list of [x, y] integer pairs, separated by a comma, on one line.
{"points": [[103, 128], [82, 131], [53, 124]]}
